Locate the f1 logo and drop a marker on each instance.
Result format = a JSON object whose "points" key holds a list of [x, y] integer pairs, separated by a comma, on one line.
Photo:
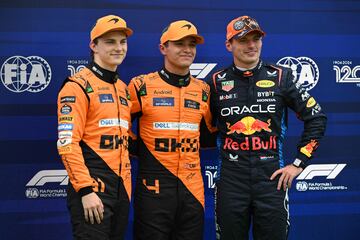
{"points": [[330, 171], [46, 176], [201, 70]]}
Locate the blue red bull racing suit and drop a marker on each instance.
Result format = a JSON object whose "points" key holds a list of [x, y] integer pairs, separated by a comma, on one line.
{"points": [[251, 112]]}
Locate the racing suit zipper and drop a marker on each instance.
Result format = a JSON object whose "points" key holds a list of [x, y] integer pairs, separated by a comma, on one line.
{"points": [[179, 134], [250, 97], [119, 119]]}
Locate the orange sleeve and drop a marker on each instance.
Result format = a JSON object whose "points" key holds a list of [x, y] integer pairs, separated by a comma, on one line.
{"points": [[208, 130], [72, 110], [134, 96], [207, 113]]}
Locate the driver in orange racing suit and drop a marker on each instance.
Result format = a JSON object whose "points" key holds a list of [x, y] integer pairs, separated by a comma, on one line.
{"points": [[94, 119], [171, 106]]}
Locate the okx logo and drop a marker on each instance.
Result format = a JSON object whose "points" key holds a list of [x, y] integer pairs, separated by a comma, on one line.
{"points": [[20, 74]]}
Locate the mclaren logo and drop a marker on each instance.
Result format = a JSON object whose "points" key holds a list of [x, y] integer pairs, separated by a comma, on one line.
{"points": [[114, 19], [187, 25]]}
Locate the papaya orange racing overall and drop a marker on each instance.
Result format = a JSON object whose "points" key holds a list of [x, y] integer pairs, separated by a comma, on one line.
{"points": [[94, 118], [169, 194]]}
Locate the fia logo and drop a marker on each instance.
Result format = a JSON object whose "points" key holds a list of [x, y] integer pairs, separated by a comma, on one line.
{"points": [[302, 186], [304, 69], [20, 74], [32, 193]]}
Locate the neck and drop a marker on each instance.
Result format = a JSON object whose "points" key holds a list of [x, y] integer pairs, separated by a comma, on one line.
{"points": [[176, 70], [105, 66], [245, 65]]}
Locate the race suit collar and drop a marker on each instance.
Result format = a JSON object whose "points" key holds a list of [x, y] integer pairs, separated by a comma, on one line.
{"points": [[103, 74], [246, 73], [174, 79]]}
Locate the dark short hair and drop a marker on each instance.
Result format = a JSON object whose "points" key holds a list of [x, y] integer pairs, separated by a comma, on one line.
{"points": [[96, 40]]}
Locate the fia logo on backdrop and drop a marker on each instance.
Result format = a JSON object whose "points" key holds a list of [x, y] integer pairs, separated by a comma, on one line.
{"points": [[20, 74], [330, 171]]}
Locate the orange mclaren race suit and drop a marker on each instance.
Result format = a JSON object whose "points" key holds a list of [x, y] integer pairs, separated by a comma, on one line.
{"points": [[169, 193], [94, 118]]}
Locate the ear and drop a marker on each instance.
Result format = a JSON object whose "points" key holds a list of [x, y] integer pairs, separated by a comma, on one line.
{"points": [[228, 45], [162, 49], [92, 46]]}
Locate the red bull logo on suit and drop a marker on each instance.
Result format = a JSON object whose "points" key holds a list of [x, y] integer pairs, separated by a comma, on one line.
{"points": [[248, 126]]}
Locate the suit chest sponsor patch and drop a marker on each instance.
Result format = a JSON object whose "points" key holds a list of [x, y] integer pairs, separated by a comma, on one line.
{"points": [[106, 98], [123, 101], [227, 85], [164, 102], [191, 104]]}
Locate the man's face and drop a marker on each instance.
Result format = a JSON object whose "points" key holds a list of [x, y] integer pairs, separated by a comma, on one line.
{"points": [[110, 50], [179, 54], [246, 50]]}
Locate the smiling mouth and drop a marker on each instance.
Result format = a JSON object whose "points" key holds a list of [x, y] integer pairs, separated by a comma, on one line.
{"points": [[251, 53]]}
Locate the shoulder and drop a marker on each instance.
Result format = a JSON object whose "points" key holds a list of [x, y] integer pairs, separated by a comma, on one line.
{"points": [[82, 77], [221, 74], [140, 80], [271, 67]]}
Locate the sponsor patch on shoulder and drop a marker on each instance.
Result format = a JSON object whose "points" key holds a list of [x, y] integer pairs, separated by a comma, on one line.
{"points": [[68, 99], [65, 149], [63, 142], [66, 109], [65, 134], [65, 126], [66, 119]]}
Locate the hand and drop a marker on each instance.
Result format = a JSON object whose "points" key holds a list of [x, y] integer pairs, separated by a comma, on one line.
{"points": [[93, 207], [288, 174]]}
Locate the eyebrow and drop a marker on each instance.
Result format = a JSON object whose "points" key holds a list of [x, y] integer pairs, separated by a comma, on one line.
{"points": [[113, 39]]}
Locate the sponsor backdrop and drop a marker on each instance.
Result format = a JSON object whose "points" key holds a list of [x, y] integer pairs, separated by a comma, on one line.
{"points": [[42, 42]]}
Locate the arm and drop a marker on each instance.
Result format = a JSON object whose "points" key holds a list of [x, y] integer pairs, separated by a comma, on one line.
{"points": [[72, 112], [310, 112], [136, 111], [208, 130]]}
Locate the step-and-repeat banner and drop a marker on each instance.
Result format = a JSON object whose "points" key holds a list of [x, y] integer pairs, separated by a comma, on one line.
{"points": [[42, 42]]}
